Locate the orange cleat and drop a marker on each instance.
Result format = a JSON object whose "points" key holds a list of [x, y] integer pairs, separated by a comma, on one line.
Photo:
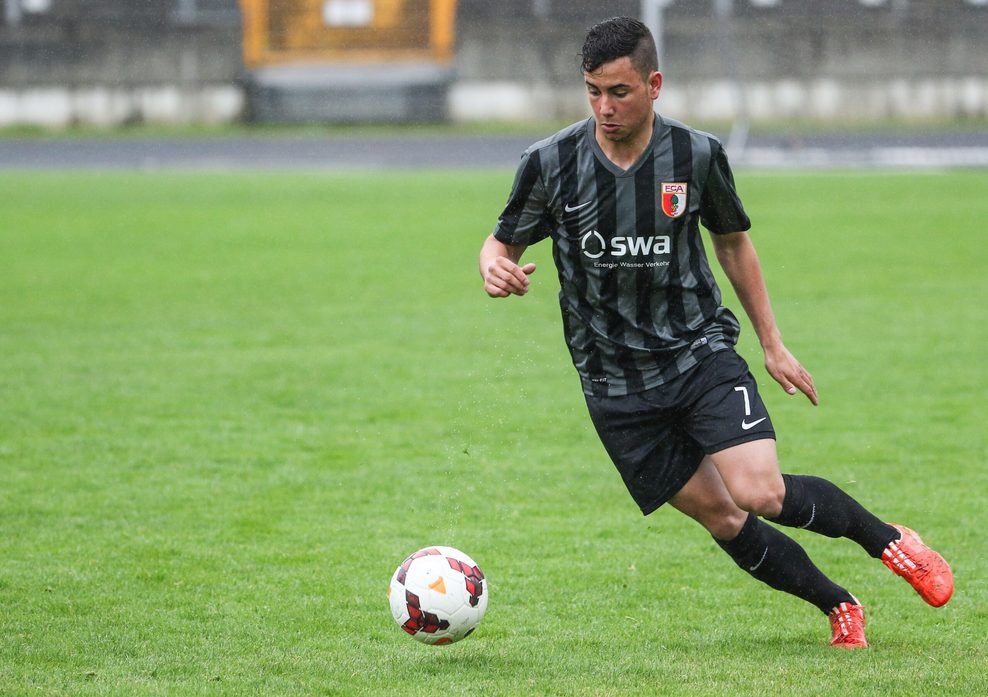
{"points": [[848, 623], [926, 571]]}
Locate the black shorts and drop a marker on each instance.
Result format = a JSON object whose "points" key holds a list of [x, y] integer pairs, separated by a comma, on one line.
{"points": [[658, 437]]}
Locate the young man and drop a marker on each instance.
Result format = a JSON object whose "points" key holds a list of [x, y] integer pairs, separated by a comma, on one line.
{"points": [[621, 195]]}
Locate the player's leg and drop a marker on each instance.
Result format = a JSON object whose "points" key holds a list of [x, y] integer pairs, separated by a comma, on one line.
{"points": [[705, 499], [746, 458], [755, 546], [659, 462], [819, 505], [731, 422], [751, 473]]}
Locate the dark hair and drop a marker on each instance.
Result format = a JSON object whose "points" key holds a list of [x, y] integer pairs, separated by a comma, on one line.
{"points": [[616, 38]]}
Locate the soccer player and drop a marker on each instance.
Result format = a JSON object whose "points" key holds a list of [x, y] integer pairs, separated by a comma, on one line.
{"points": [[622, 196]]}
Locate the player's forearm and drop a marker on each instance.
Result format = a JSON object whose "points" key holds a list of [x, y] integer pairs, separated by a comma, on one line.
{"points": [[740, 263]]}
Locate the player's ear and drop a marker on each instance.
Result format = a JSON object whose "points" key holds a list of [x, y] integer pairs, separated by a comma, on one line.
{"points": [[654, 84]]}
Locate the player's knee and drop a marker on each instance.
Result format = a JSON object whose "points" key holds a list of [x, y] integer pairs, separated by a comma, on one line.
{"points": [[724, 522], [765, 502]]}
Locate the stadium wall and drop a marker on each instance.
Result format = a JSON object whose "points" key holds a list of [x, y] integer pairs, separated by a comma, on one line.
{"points": [[811, 59], [107, 62]]}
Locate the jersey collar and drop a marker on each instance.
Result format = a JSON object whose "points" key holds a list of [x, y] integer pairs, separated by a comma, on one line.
{"points": [[657, 124]]}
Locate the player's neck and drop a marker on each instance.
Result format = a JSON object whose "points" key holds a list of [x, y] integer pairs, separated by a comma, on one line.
{"points": [[625, 153]]}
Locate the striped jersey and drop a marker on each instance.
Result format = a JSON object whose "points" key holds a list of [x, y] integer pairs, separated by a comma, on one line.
{"points": [[639, 302]]}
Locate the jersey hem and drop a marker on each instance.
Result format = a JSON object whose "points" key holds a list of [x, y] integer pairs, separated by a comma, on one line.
{"points": [[594, 389]]}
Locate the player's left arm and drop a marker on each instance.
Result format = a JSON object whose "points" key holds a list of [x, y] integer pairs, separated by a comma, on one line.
{"points": [[738, 258]]}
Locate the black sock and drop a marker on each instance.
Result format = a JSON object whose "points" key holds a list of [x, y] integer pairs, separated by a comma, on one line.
{"points": [[778, 560], [821, 506]]}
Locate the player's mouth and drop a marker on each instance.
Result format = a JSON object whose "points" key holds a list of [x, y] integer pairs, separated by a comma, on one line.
{"points": [[610, 127]]}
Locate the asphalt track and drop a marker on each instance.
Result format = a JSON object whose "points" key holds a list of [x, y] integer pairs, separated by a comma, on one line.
{"points": [[336, 152]]}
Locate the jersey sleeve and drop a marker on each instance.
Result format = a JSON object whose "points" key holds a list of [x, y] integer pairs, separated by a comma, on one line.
{"points": [[525, 219], [720, 208]]}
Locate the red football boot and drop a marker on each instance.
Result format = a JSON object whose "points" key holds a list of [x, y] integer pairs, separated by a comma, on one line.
{"points": [[848, 623], [925, 570]]}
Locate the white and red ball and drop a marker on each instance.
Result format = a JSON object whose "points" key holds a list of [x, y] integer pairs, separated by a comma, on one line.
{"points": [[438, 595]]}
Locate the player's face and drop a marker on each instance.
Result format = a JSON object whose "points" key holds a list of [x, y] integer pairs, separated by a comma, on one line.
{"points": [[621, 100]]}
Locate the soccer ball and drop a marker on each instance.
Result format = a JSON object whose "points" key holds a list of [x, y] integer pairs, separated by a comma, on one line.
{"points": [[438, 595]]}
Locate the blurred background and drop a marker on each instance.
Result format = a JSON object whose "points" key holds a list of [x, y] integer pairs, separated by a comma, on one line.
{"points": [[733, 66]]}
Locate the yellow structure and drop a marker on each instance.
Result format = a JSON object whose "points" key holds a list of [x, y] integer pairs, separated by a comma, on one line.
{"points": [[347, 31]]}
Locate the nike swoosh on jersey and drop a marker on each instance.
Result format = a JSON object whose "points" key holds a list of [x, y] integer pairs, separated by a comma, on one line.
{"points": [[746, 426], [569, 209]]}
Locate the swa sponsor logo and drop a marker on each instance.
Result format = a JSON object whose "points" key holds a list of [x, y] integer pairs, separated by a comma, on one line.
{"points": [[595, 246]]}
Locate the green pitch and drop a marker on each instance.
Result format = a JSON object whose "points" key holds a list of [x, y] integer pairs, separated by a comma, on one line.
{"points": [[230, 406]]}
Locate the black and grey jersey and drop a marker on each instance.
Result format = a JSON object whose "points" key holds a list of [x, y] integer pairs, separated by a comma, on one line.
{"points": [[639, 302]]}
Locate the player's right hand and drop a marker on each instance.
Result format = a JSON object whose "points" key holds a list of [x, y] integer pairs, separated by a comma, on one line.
{"points": [[504, 277]]}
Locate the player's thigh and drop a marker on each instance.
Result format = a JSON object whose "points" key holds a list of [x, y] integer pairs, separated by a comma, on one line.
{"points": [[706, 499], [750, 472], [729, 419]]}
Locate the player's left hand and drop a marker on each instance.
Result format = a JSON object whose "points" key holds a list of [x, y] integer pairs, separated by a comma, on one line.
{"points": [[787, 371]]}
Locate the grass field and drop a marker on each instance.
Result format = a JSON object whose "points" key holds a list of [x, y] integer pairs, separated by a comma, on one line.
{"points": [[231, 404]]}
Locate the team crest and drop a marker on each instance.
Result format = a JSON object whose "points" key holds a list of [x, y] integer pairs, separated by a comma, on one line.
{"points": [[673, 198]]}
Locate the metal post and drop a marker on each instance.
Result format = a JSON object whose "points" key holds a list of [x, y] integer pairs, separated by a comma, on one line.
{"points": [[12, 12], [738, 138], [186, 11], [653, 19]]}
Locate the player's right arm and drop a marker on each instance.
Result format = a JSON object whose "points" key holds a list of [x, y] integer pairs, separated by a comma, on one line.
{"points": [[524, 221], [500, 270]]}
